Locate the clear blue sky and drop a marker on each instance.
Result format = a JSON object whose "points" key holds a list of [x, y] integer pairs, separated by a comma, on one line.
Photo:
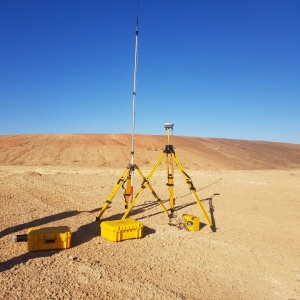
{"points": [[215, 68]]}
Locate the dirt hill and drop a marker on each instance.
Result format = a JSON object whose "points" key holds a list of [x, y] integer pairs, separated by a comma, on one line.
{"points": [[113, 151]]}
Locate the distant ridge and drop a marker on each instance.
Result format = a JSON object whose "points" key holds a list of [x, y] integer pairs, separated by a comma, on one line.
{"points": [[113, 151]]}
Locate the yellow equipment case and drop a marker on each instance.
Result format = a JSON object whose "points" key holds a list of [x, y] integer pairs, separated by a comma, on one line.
{"points": [[48, 238], [120, 230], [191, 223]]}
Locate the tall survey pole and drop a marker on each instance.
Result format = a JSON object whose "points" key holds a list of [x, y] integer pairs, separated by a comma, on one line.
{"points": [[132, 167]]}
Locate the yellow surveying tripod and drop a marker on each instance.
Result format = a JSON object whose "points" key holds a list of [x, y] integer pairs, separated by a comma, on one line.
{"points": [[128, 174], [170, 155]]}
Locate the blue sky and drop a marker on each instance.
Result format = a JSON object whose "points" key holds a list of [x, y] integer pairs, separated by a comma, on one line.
{"points": [[215, 68]]}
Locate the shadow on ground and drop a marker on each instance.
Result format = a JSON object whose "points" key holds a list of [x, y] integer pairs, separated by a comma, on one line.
{"points": [[84, 234], [39, 222]]}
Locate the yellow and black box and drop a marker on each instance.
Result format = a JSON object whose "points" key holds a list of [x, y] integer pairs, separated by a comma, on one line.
{"points": [[120, 230], [191, 223], [48, 238]]}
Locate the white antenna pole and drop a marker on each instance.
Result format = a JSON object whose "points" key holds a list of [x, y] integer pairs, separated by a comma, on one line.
{"points": [[134, 89], [132, 166]]}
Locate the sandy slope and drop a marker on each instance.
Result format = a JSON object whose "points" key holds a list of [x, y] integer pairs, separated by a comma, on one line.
{"points": [[98, 150], [250, 189]]}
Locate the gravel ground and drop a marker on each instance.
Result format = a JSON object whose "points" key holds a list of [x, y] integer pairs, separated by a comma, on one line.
{"points": [[253, 253]]}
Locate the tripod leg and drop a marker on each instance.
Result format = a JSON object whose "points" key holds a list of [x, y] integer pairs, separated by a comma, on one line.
{"points": [[170, 184], [113, 193], [146, 183], [156, 165], [128, 190], [192, 188]]}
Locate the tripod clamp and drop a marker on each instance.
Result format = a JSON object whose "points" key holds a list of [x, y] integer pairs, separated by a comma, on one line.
{"points": [[169, 149], [132, 167]]}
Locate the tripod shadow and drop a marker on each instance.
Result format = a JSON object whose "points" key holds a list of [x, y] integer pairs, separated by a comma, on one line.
{"points": [[87, 232], [211, 211], [146, 207], [39, 222], [141, 208]]}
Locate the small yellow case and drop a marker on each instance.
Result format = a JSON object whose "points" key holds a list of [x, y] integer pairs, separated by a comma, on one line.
{"points": [[120, 230], [191, 223], [48, 238]]}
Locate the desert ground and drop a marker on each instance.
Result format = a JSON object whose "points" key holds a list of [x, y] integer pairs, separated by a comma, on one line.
{"points": [[249, 189]]}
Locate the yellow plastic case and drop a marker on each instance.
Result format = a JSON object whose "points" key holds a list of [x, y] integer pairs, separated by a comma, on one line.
{"points": [[120, 230], [191, 223], [48, 238]]}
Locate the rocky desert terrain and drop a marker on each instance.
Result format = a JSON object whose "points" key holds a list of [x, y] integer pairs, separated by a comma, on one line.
{"points": [[250, 190]]}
